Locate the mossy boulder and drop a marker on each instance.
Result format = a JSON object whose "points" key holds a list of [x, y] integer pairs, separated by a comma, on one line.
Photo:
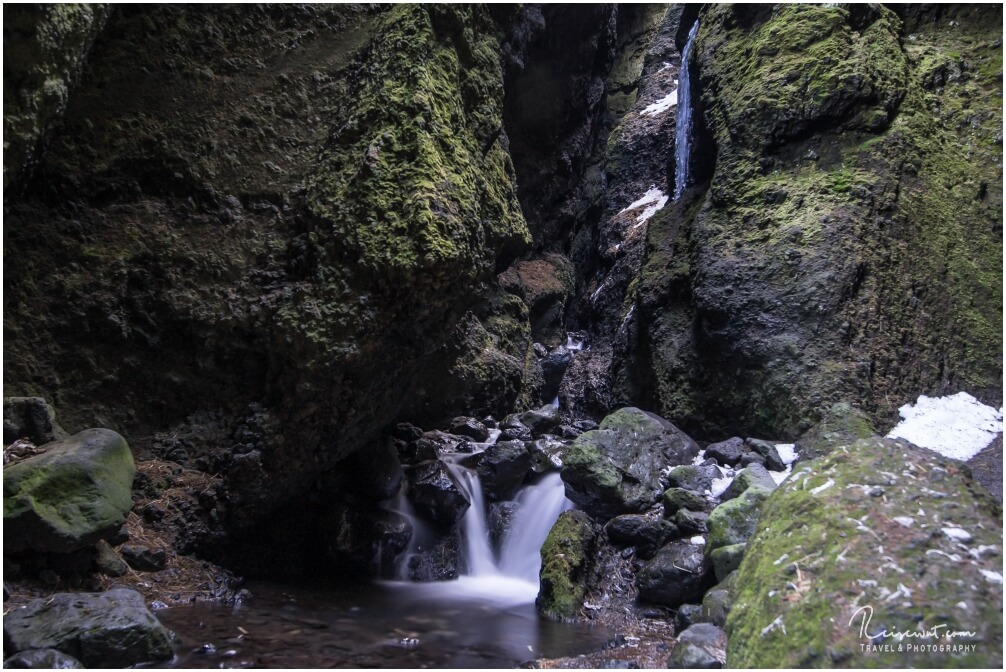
{"points": [[750, 476], [77, 492], [565, 564], [112, 629], [676, 499], [617, 468], [734, 521], [726, 559], [876, 536], [842, 424]]}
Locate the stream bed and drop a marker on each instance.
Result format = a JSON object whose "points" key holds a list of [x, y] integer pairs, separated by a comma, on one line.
{"points": [[469, 623]]}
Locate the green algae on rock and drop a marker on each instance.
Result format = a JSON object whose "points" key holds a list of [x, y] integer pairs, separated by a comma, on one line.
{"points": [[565, 561], [76, 492], [876, 536]]}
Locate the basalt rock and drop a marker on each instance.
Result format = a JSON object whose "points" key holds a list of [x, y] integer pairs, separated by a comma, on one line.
{"points": [[728, 453], [502, 469], [436, 494], [679, 573]]}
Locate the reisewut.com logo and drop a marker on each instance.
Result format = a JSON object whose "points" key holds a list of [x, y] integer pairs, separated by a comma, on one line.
{"points": [[935, 639]]}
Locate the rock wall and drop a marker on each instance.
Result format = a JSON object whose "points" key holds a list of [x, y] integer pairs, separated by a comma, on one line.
{"points": [[848, 243]]}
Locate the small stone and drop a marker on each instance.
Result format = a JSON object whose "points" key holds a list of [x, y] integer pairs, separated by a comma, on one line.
{"points": [[107, 561], [145, 559]]}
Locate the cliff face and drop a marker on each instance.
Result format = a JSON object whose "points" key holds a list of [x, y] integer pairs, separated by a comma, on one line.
{"points": [[288, 207], [259, 236], [848, 244]]}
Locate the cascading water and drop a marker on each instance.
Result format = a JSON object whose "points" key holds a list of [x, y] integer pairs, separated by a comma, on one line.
{"points": [[540, 505], [683, 130]]}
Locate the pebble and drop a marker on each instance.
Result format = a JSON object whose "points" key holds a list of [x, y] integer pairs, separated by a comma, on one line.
{"points": [[957, 534]]}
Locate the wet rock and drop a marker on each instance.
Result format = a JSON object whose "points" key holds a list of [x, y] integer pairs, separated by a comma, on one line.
{"points": [[443, 442], [42, 659], [726, 559], [436, 494], [678, 574], [618, 467], [676, 499], [502, 470], [701, 646], [30, 418], [512, 429], [553, 366], [824, 522], [767, 450], [107, 561], [565, 558], [546, 454], [691, 522], [728, 453], [111, 629], [145, 558], [645, 532], [500, 520], [698, 479], [751, 458], [735, 521], [414, 452], [470, 427], [357, 540], [688, 614], [747, 477], [77, 492], [842, 424], [405, 431], [541, 420], [440, 562]]}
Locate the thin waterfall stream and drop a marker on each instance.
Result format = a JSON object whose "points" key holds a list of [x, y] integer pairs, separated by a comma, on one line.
{"points": [[683, 129]]}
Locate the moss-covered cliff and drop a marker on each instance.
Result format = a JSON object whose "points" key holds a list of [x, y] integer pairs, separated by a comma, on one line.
{"points": [[848, 245], [286, 206]]}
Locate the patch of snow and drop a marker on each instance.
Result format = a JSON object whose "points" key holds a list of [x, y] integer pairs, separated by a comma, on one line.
{"points": [[720, 485], [958, 426], [780, 476], [961, 605], [700, 458], [787, 452], [904, 521], [992, 577], [653, 199], [957, 534], [697, 540], [664, 104]]}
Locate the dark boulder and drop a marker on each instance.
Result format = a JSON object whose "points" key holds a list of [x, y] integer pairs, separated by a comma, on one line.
{"points": [[546, 454], [412, 453], [77, 492], [42, 659], [679, 573], [618, 468], [145, 558], [111, 629], [767, 450], [700, 646], [747, 477], [646, 533], [439, 562], [470, 427], [676, 499], [30, 418], [365, 541], [728, 453], [436, 494], [503, 467], [697, 478], [541, 420]]}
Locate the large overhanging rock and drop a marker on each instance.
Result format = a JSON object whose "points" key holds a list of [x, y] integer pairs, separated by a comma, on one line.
{"points": [[77, 492], [876, 539], [617, 468]]}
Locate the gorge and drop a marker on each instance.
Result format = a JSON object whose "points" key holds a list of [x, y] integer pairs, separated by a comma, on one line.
{"points": [[514, 311]]}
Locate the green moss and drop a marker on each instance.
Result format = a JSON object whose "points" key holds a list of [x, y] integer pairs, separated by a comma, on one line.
{"points": [[565, 556]]}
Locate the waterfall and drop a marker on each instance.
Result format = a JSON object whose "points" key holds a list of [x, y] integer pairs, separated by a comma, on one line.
{"points": [[475, 532], [540, 506], [683, 130]]}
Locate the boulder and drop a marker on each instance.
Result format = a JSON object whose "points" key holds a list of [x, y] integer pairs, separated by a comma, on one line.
{"points": [[728, 453], [411, 453], [502, 469], [30, 418], [355, 540], [734, 521], [679, 573], [816, 558], [565, 563], [439, 562], [688, 614], [676, 499], [700, 646], [646, 533], [842, 424], [747, 477], [77, 492], [42, 659], [767, 450], [726, 559], [716, 605], [691, 522], [436, 494], [697, 478], [618, 467], [546, 454], [541, 420], [553, 365], [145, 558], [470, 427], [111, 629]]}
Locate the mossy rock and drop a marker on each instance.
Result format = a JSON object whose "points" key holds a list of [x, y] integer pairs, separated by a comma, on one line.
{"points": [[865, 540], [565, 562], [842, 425], [734, 521], [77, 492], [617, 468], [676, 499], [726, 559]]}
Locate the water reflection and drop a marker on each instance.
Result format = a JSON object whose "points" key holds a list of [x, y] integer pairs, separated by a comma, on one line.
{"points": [[460, 624]]}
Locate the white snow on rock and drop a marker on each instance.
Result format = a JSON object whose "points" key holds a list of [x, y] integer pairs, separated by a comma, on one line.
{"points": [[664, 104], [957, 534], [697, 540], [653, 199], [992, 577], [787, 452], [958, 426]]}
